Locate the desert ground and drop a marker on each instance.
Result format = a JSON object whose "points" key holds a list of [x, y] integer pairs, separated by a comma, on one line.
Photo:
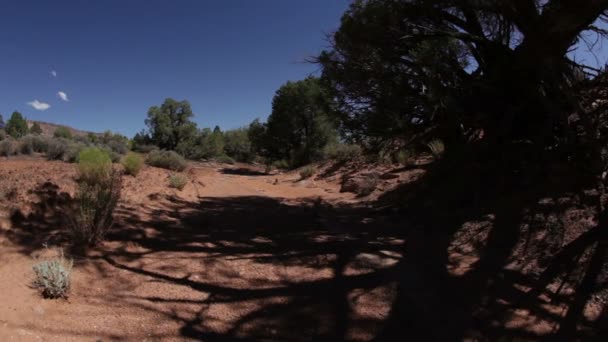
{"points": [[237, 255]]}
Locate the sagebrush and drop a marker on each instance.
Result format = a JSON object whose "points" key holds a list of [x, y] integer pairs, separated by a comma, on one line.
{"points": [[167, 160], [52, 276], [177, 181]]}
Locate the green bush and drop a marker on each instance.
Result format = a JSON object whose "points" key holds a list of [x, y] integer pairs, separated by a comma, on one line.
{"points": [[403, 157], [57, 148], [62, 132], [144, 148], [342, 153], [8, 147], [166, 160], [281, 164], [94, 165], [36, 129], [307, 172], [26, 145], [2, 134], [93, 208], [132, 163], [52, 277], [225, 160], [33, 143], [177, 181], [41, 144]]}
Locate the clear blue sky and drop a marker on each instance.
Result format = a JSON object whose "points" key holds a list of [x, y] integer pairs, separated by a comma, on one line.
{"points": [[116, 58]]}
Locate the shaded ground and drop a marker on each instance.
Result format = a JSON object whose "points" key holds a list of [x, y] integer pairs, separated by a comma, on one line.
{"points": [[240, 255]]}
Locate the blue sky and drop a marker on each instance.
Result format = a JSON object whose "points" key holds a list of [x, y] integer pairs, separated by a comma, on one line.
{"points": [[116, 58]]}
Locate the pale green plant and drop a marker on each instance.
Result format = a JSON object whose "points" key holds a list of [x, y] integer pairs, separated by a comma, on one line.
{"points": [[52, 276]]}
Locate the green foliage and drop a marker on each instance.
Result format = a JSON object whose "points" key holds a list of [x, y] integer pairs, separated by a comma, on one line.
{"points": [[26, 145], [92, 138], [94, 166], [52, 276], [307, 172], [209, 144], [63, 132], [403, 157], [97, 197], [342, 153], [8, 147], [170, 125], [281, 164], [225, 160], [167, 160], [16, 125], [238, 146], [177, 181], [132, 163], [299, 126], [57, 149], [114, 142], [257, 134], [437, 148], [36, 129]]}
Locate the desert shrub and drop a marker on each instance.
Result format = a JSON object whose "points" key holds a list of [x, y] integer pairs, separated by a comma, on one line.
{"points": [[33, 143], [403, 157], [166, 160], [62, 132], [2, 134], [8, 147], [225, 160], [57, 148], [41, 144], [83, 139], [94, 165], [73, 151], [342, 153], [307, 172], [132, 163], [177, 181], [144, 148], [281, 164], [118, 145], [114, 156], [26, 145], [93, 208], [437, 148], [52, 276]]}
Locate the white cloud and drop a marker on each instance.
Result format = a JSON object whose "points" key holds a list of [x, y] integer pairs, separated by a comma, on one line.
{"points": [[37, 105], [53, 73], [63, 96]]}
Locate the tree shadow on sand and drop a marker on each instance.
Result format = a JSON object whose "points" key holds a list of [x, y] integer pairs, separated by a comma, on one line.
{"points": [[273, 270]]}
